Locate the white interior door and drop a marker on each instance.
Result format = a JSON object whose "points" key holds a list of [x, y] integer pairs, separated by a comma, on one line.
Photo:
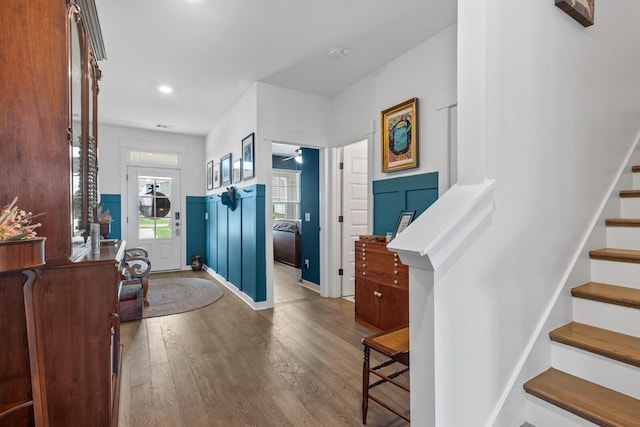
{"points": [[354, 208], [153, 215]]}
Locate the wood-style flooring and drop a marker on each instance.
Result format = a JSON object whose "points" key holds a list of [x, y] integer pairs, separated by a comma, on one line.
{"points": [[299, 364]]}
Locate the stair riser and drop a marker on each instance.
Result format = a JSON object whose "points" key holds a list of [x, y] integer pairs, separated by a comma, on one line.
{"points": [[624, 320], [636, 181], [592, 367], [541, 413], [616, 273], [623, 237], [630, 207]]}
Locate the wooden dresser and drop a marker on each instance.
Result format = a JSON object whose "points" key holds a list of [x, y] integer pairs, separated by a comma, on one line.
{"points": [[382, 286]]}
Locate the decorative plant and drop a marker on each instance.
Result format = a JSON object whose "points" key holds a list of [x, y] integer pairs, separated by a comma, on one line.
{"points": [[104, 217], [16, 224]]}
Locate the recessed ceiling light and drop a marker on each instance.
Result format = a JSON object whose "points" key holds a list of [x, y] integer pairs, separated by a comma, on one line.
{"points": [[165, 89]]}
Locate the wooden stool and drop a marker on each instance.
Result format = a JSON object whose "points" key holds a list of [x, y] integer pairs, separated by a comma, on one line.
{"points": [[393, 344]]}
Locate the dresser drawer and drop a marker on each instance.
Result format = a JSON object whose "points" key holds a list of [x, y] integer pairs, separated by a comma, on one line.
{"points": [[374, 265], [385, 278], [378, 247]]}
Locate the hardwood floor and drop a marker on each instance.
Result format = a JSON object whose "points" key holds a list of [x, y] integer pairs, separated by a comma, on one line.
{"points": [[228, 365]]}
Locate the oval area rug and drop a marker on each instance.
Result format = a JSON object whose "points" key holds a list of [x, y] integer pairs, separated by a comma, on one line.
{"points": [[178, 295]]}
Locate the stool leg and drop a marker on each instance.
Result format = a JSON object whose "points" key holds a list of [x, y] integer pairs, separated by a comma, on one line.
{"points": [[365, 383]]}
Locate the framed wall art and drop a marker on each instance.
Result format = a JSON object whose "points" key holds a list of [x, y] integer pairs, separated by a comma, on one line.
{"points": [[404, 219], [580, 10], [399, 136], [210, 175], [225, 169], [237, 170], [248, 150], [216, 175]]}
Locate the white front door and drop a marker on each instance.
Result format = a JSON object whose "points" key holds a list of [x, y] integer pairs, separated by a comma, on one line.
{"points": [[354, 204], [153, 215]]}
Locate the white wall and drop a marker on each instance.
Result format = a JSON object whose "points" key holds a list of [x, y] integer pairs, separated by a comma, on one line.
{"points": [[226, 135], [561, 114], [111, 171], [427, 72]]}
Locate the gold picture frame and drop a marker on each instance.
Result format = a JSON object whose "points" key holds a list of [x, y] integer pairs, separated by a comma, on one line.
{"points": [[399, 136]]}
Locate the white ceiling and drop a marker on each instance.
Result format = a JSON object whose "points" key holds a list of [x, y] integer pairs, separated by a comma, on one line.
{"points": [[211, 51]]}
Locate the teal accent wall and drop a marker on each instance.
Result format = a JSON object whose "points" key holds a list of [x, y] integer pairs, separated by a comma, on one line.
{"points": [[310, 203], [114, 204], [392, 195], [196, 228], [236, 241]]}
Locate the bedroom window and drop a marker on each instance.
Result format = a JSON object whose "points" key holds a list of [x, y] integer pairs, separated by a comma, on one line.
{"points": [[286, 194]]}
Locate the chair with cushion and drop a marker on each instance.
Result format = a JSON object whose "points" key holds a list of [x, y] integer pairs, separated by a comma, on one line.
{"points": [[394, 345], [135, 270]]}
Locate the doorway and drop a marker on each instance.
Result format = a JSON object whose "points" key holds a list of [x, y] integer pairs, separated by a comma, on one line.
{"points": [[295, 206], [354, 207], [153, 214]]}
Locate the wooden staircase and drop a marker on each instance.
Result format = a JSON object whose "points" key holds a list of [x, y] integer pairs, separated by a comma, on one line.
{"points": [[602, 344]]}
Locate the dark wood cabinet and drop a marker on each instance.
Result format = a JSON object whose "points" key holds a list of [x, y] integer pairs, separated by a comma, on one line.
{"points": [[381, 286], [59, 323]]}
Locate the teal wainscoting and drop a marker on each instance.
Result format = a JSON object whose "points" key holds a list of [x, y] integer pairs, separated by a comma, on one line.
{"points": [[196, 228], [236, 241], [114, 204], [390, 196]]}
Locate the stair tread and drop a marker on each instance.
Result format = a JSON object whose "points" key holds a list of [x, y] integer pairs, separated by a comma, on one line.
{"points": [[615, 254], [593, 402], [612, 294], [629, 193], [614, 345], [622, 222]]}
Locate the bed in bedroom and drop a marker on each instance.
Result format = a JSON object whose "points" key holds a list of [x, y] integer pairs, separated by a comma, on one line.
{"points": [[286, 242]]}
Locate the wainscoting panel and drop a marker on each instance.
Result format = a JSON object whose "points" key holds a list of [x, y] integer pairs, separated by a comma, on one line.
{"points": [[236, 240], [195, 226], [390, 196], [114, 204]]}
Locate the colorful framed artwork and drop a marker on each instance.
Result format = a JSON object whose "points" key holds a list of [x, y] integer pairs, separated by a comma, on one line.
{"points": [[210, 175], [248, 163], [399, 136], [225, 170], [237, 170], [216, 175], [580, 10], [404, 219]]}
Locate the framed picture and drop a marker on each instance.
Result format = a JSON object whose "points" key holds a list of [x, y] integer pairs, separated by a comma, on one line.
{"points": [[580, 10], [216, 175], [399, 136], [404, 220], [248, 164], [237, 170], [210, 175], [225, 170]]}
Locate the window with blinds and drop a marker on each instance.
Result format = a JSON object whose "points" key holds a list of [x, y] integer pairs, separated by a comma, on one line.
{"points": [[285, 188]]}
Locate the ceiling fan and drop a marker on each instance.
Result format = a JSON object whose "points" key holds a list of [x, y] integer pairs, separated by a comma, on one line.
{"points": [[297, 156]]}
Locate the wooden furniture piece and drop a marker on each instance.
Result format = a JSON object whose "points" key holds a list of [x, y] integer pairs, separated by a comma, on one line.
{"points": [[23, 385], [287, 242], [394, 345], [381, 286], [61, 338]]}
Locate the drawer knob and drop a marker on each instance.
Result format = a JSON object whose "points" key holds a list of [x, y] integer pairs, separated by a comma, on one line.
{"points": [[364, 265], [364, 258], [377, 294], [395, 282], [395, 264], [395, 271], [364, 273]]}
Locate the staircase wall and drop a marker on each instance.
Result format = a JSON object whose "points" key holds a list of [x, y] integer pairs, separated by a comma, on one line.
{"points": [[561, 116]]}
